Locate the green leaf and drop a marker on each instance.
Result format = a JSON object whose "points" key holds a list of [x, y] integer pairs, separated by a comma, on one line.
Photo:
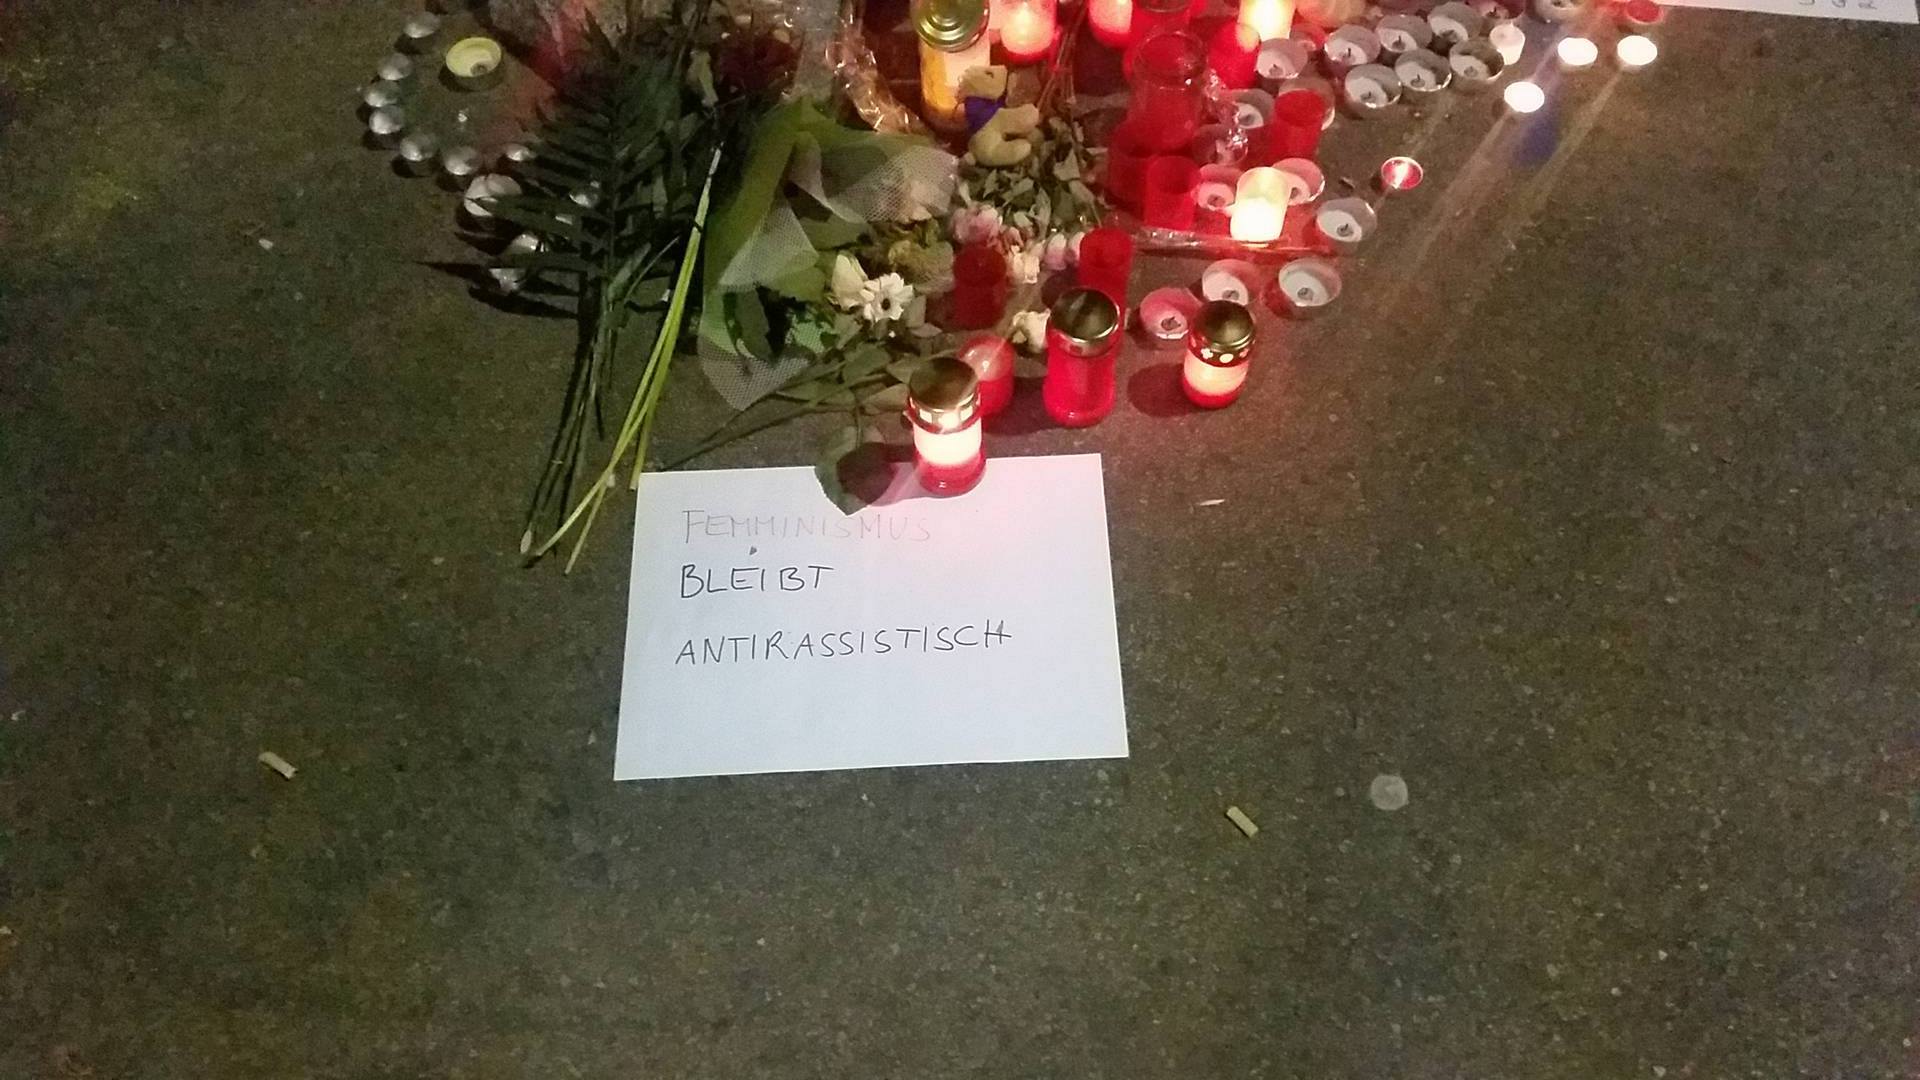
{"points": [[808, 284], [853, 472], [750, 325], [865, 360], [890, 399], [832, 232]]}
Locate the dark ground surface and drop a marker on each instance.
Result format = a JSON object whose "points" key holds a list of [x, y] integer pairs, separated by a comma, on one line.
{"points": [[1591, 512]]}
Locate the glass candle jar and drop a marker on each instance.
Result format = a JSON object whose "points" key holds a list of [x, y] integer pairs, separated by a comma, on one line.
{"points": [[943, 403], [953, 41], [979, 287], [1106, 263], [1127, 155], [1112, 22], [1235, 55], [1167, 202], [991, 358], [1168, 81], [1083, 340], [1219, 347], [1026, 29], [1152, 16]]}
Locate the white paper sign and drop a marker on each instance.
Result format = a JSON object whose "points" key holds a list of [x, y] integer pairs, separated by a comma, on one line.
{"points": [[1902, 11], [769, 632]]}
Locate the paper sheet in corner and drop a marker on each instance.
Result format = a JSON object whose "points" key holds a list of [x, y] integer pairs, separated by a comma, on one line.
{"points": [[769, 632], [1897, 11]]}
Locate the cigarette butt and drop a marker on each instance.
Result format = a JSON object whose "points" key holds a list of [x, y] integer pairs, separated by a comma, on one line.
{"points": [[1209, 502], [1241, 821], [277, 763]]}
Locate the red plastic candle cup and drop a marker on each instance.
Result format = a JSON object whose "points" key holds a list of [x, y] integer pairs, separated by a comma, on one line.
{"points": [[1127, 157], [1168, 198], [991, 358], [1112, 22], [1235, 54], [1083, 341], [1106, 263], [1219, 350], [1299, 116], [979, 287], [1026, 28], [1168, 80], [1152, 16], [943, 404]]}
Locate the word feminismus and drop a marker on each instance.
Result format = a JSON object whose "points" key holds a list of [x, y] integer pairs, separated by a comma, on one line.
{"points": [[780, 645], [863, 526]]}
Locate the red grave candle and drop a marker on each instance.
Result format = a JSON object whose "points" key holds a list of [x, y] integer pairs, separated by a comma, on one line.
{"points": [[1127, 157], [1219, 348], [1234, 53], [1152, 16], [1026, 28], [1169, 196], [979, 287], [1083, 340], [943, 403], [991, 358], [1299, 116], [1112, 22], [1168, 81], [1106, 263]]}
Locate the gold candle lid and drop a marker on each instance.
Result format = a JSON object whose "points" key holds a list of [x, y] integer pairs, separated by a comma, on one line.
{"points": [[943, 394], [949, 24], [1087, 319], [1222, 333]]}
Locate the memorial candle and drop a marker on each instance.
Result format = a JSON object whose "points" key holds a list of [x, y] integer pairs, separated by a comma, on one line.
{"points": [[1268, 18], [953, 41], [1259, 206], [943, 402], [1112, 22], [1026, 29], [991, 358], [1083, 340], [1219, 349]]}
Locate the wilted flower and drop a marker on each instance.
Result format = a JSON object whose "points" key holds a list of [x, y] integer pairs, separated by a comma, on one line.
{"points": [[847, 285], [1057, 254], [1029, 331], [1023, 265], [975, 224], [885, 298]]}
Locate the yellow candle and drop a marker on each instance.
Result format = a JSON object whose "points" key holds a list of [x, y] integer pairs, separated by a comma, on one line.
{"points": [[953, 41], [1269, 18]]}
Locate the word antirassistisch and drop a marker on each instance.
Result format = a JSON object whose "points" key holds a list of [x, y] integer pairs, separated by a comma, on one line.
{"points": [[826, 645]]}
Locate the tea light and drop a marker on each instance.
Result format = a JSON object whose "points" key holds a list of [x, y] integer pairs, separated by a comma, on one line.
{"points": [[1402, 34], [991, 358], [1213, 197], [1524, 97], [1399, 174], [420, 30], [1219, 351], [1252, 108], [484, 190], [1306, 286], [1305, 180], [1454, 22], [1350, 46], [1558, 11], [1371, 89], [1576, 52], [1423, 72], [417, 153], [1230, 279], [1167, 314], [1268, 18], [1257, 218], [474, 61], [518, 153], [395, 68], [1112, 22], [1510, 40], [1026, 29], [1476, 64], [1635, 52], [460, 162], [1640, 14], [943, 403], [1346, 221], [387, 123], [509, 277], [1281, 59], [381, 93]]}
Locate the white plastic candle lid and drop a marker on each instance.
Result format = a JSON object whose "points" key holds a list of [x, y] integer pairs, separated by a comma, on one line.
{"points": [[1309, 283], [1346, 220], [1281, 58], [1305, 180], [1230, 279]]}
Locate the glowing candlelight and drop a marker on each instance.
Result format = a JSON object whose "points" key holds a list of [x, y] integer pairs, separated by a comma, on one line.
{"points": [[1268, 18], [953, 41], [1112, 22], [1026, 29], [1636, 51], [1524, 97], [1510, 40], [1577, 52], [1259, 206], [943, 402], [1398, 174], [1218, 352]]}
